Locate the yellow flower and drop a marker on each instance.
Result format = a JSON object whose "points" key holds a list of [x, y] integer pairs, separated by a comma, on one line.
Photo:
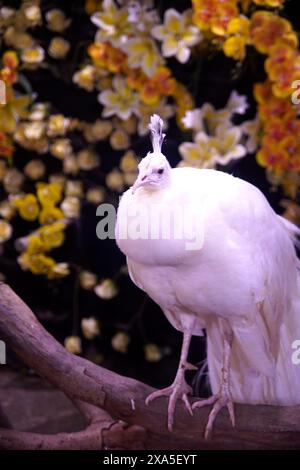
{"points": [[269, 3], [87, 159], [73, 344], [13, 181], [35, 245], [112, 22], [87, 280], [40, 264], [56, 20], [119, 140], [50, 214], [152, 353], [14, 109], [52, 235], [90, 328], [100, 130], [74, 188], [48, 193], [198, 154], [58, 48], [226, 144], [57, 125], [35, 169], [32, 56], [120, 342], [143, 53], [5, 231], [239, 25], [28, 207], [235, 47], [114, 180], [177, 34], [106, 289], [71, 207], [58, 271], [18, 39], [61, 148], [85, 78], [95, 195], [121, 101]]}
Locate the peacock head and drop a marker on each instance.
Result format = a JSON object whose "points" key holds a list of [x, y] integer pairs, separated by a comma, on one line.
{"points": [[154, 169]]}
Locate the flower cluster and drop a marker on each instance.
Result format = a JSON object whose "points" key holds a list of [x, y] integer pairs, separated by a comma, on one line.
{"points": [[216, 140]]}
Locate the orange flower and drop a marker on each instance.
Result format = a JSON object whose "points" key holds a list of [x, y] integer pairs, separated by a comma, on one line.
{"points": [[276, 129], [10, 60], [262, 92], [6, 148], [214, 15], [106, 56], [272, 156], [162, 84], [276, 107], [267, 28]]}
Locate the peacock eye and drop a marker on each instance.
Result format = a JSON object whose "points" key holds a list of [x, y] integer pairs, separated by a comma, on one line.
{"points": [[160, 171]]}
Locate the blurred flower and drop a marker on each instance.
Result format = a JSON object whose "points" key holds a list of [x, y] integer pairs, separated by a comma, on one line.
{"points": [[112, 22], [143, 53], [236, 104], [32, 136], [120, 342], [7, 209], [164, 110], [120, 101], [50, 214], [71, 165], [3, 169], [226, 143], [119, 140], [129, 161], [252, 130], [74, 188], [177, 34], [52, 236], [35, 169], [48, 193], [58, 178], [129, 126], [33, 56], [73, 344], [6, 147], [13, 181], [5, 231], [152, 352], [87, 280], [85, 78], [58, 271], [106, 289], [18, 39], [56, 20], [39, 264], [235, 47], [114, 180], [58, 48], [32, 14], [71, 207], [100, 130], [198, 154], [28, 207], [38, 112], [95, 195], [87, 159], [267, 28], [14, 109], [90, 328], [291, 211], [61, 148], [57, 125]]}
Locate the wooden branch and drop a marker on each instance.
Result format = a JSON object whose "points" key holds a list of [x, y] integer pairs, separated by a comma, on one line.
{"points": [[124, 398]]}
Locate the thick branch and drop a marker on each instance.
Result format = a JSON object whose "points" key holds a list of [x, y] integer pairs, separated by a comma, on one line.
{"points": [[124, 398]]}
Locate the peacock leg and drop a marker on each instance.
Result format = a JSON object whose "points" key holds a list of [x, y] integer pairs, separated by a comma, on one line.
{"points": [[223, 397], [179, 390]]}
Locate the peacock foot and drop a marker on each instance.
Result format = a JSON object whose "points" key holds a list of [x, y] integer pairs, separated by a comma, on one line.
{"points": [[219, 401], [179, 390]]}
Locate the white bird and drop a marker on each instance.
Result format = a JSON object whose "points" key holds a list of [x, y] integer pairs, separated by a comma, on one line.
{"points": [[239, 282]]}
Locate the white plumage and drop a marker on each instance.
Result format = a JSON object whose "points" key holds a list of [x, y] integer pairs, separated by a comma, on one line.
{"points": [[241, 284]]}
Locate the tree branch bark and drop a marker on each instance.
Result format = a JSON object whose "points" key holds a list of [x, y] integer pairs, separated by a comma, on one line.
{"points": [[124, 398]]}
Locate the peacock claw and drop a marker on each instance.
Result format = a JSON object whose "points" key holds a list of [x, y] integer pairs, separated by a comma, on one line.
{"points": [[219, 401], [177, 391]]}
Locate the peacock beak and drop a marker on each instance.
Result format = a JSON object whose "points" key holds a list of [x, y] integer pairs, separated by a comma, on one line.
{"points": [[141, 180]]}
